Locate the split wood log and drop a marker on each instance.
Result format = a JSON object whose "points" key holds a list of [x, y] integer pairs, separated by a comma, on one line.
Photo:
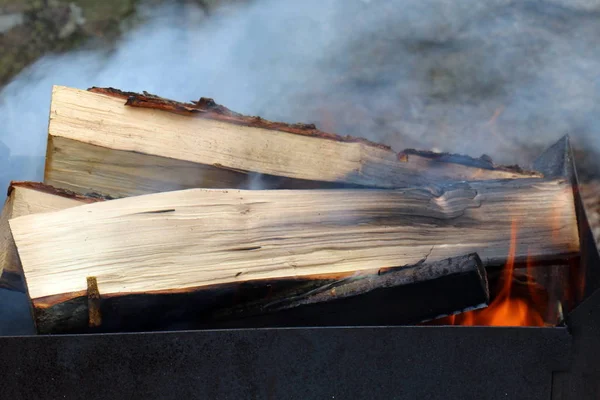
{"points": [[394, 296], [25, 198], [123, 144], [184, 240], [401, 295]]}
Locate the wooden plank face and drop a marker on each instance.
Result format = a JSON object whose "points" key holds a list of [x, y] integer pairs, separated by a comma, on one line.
{"points": [[94, 139], [193, 238]]}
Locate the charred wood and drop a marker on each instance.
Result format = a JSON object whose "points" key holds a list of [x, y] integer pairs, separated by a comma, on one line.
{"points": [[401, 295]]}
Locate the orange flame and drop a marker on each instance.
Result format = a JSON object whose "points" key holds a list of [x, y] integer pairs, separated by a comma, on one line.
{"points": [[506, 309]]}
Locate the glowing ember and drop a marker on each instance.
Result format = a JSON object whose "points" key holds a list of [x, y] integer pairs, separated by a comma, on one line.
{"points": [[506, 309]]}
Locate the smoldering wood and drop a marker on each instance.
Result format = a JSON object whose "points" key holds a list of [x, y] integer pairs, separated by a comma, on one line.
{"points": [[170, 242], [25, 198], [402, 295], [123, 144]]}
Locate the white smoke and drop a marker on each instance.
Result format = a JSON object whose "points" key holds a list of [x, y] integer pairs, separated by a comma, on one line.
{"points": [[462, 76]]}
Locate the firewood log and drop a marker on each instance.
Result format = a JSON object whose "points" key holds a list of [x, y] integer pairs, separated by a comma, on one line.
{"points": [[184, 240], [401, 295], [123, 144], [25, 198]]}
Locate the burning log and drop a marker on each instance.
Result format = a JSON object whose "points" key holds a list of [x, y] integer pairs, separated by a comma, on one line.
{"points": [[25, 198], [400, 295], [187, 240], [537, 293], [124, 144], [410, 294]]}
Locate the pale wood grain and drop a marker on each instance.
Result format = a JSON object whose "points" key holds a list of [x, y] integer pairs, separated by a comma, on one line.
{"points": [[97, 143], [192, 238]]}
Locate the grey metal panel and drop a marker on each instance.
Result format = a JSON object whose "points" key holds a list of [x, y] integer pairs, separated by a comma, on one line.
{"points": [[296, 363]]}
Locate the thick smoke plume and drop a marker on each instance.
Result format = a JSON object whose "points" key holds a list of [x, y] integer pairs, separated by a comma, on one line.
{"points": [[498, 77]]}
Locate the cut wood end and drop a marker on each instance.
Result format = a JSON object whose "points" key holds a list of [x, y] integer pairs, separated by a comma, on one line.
{"points": [[25, 198]]}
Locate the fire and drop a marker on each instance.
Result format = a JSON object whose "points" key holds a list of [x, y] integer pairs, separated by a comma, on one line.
{"points": [[506, 309]]}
